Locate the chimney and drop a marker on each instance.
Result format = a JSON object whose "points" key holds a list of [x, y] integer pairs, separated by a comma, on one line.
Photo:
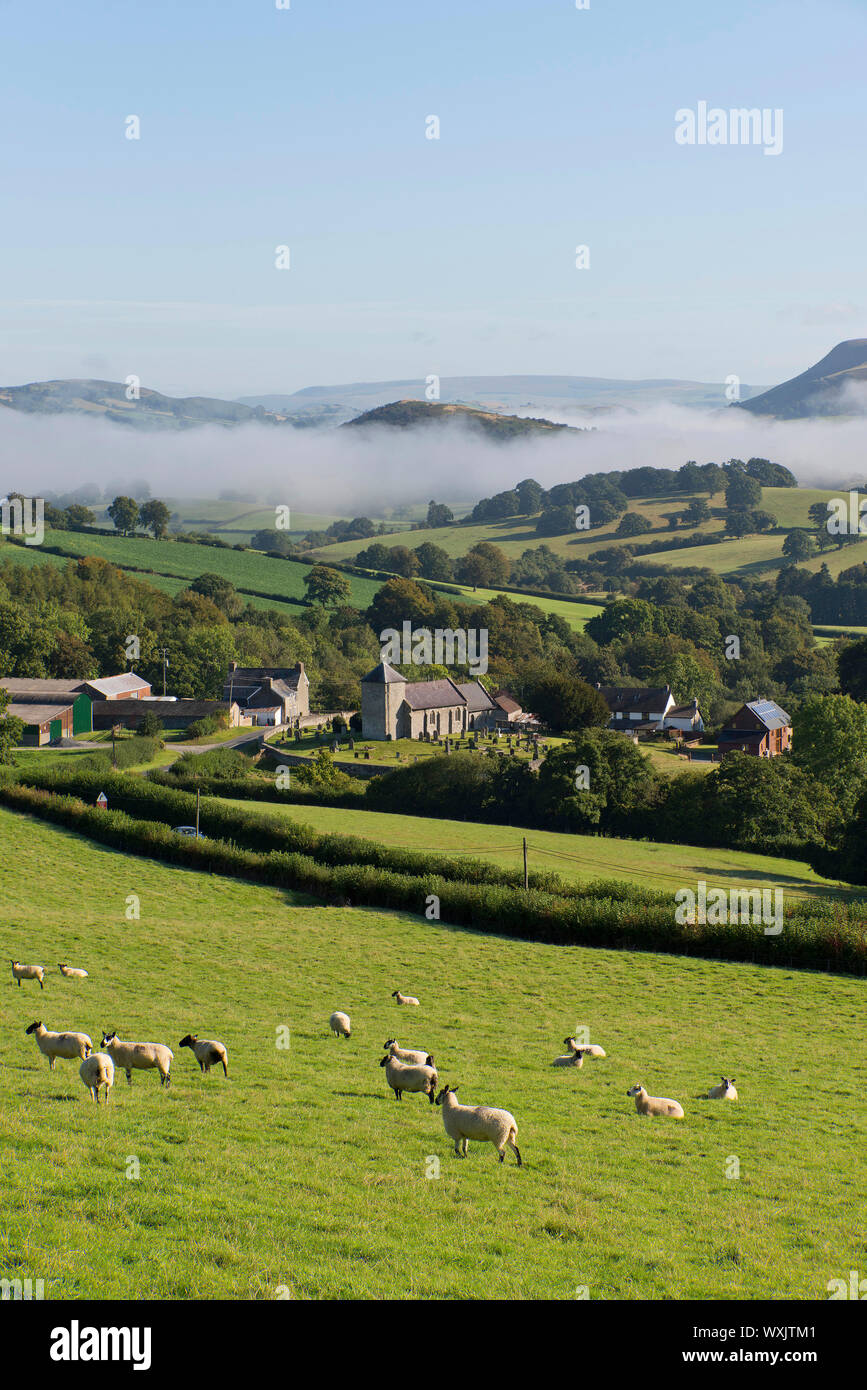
{"points": [[299, 667]]}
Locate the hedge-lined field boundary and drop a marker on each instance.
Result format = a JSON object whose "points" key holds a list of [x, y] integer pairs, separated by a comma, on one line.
{"points": [[822, 941]]}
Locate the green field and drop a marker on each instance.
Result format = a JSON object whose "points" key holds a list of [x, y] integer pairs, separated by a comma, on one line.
{"points": [[575, 857], [299, 1173]]}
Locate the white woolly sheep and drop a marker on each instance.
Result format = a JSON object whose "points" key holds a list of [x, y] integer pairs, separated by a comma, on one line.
{"points": [[465, 1122], [72, 972], [207, 1051], [654, 1105], [28, 972], [413, 1055], [588, 1049], [404, 998], [96, 1071], [141, 1056], [402, 1077], [574, 1058], [339, 1024], [54, 1045], [724, 1091]]}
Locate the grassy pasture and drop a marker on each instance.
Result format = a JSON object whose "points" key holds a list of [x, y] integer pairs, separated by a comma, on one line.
{"points": [[300, 1170], [574, 857]]}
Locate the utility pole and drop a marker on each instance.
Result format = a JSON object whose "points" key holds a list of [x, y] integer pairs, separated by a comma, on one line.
{"points": [[526, 879], [165, 652], [198, 795]]}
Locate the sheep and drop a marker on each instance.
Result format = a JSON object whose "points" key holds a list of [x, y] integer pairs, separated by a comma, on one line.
{"points": [[575, 1058], [28, 972], [96, 1071], [724, 1091], [206, 1051], [588, 1049], [404, 998], [465, 1122], [654, 1105], [339, 1024], [415, 1055], [142, 1056], [401, 1077], [72, 972], [54, 1045]]}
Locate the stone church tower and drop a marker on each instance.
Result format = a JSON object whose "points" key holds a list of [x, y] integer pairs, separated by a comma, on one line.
{"points": [[382, 694]]}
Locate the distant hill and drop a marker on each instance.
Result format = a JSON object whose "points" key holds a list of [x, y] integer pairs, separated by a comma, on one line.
{"points": [[543, 395], [107, 399], [410, 414], [820, 391]]}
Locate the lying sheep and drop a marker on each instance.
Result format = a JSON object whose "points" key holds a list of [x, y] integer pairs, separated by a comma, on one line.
{"points": [[465, 1122], [404, 998], [54, 1045], [575, 1058], [724, 1091], [588, 1049], [28, 972], [339, 1024], [142, 1056], [402, 1077], [72, 972], [654, 1105], [96, 1071], [409, 1054], [206, 1051]]}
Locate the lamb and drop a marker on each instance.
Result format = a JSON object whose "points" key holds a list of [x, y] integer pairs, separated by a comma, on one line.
{"points": [[142, 1056], [72, 972], [401, 1077], [339, 1024], [465, 1122], [404, 998], [28, 972], [409, 1054], [588, 1049], [96, 1071], [574, 1058], [54, 1045], [206, 1051], [654, 1105], [724, 1091]]}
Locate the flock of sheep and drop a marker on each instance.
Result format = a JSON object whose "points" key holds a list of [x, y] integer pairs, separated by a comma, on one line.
{"points": [[414, 1069], [97, 1068], [406, 1069]]}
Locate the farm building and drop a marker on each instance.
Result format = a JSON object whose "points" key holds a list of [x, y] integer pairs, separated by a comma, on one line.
{"points": [[172, 714], [393, 707], [268, 694], [760, 727], [43, 723], [31, 691], [127, 686]]}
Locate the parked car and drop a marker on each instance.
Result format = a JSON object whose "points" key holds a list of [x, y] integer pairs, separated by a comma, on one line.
{"points": [[189, 830]]}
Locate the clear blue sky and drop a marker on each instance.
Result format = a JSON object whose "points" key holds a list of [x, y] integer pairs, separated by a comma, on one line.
{"points": [[306, 127]]}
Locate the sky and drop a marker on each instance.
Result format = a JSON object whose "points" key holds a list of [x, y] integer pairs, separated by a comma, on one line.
{"points": [[305, 128]]}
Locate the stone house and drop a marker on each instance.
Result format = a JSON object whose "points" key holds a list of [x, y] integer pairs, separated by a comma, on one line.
{"points": [[268, 694]]}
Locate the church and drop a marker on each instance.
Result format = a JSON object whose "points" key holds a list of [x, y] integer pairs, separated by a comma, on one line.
{"points": [[393, 707]]}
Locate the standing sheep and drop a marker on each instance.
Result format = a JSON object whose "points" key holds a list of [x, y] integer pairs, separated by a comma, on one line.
{"points": [[72, 972], [206, 1051], [402, 1077], [142, 1056], [404, 998], [409, 1054], [465, 1122], [28, 972], [654, 1105], [339, 1024], [96, 1071], [54, 1045]]}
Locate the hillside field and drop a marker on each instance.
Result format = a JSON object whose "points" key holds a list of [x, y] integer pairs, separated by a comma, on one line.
{"points": [[299, 1175]]}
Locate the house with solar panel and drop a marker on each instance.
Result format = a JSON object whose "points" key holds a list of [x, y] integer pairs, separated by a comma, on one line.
{"points": [[760, 727]]}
